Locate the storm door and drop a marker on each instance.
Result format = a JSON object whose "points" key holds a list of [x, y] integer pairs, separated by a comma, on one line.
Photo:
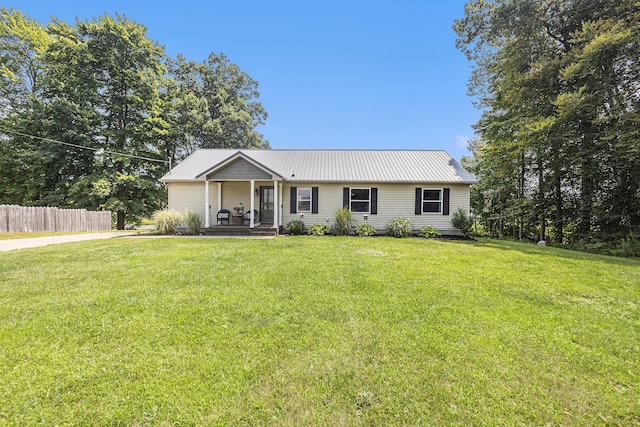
{"points": [[266, 205]]}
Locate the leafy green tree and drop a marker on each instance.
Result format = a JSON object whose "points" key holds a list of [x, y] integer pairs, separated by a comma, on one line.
{"points": [[557, 81], [124, 67], [23, 43], [215, 105], [91, 112]]}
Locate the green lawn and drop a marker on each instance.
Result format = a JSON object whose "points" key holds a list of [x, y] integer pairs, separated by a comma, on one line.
{"points": [[322, 331]]}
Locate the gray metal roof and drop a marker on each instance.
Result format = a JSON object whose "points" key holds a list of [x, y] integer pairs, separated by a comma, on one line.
{"points": [[419, 166]]}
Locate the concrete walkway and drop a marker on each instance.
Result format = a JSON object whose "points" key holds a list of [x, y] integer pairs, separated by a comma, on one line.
{"points": [[34, 242]]}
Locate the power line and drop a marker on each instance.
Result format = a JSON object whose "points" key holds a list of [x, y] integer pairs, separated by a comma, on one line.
{"points": [[7, 131]]}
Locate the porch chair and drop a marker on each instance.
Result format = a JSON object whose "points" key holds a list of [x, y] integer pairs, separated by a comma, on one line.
{"points": [[223, 215], [247, 217]]}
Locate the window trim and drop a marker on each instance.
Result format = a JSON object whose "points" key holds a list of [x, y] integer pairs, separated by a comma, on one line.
{"points": [[441, 201], [360, 200], [299, 199]]}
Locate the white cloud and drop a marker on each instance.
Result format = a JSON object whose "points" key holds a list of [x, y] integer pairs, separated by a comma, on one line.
{"points": [[462, 141]]}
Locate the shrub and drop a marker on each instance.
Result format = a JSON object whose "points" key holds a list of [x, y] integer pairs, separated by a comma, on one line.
{"points": [[429, 232], [166, 221], [295, 227], [191, 220], [318, 229], [365, 230], [621, 244], [399, 227], [344, 221], [147, 221], [629, 246], [462, 221]]}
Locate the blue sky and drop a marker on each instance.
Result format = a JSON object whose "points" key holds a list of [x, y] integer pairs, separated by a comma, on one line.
{"points": [[332, 74]]}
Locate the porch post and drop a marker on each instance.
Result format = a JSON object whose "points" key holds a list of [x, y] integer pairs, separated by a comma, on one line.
{"points": [[207, 207], [219, 199], [281, 210], [276, 210], [251, 219]]}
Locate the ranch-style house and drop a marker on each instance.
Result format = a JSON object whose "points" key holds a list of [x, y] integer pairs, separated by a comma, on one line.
{"points": [[225, 186]]}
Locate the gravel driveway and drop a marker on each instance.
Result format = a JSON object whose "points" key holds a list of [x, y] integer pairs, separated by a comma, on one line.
{"points": [[34, 242]]}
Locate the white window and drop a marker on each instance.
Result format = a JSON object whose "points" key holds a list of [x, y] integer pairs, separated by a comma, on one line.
{"points": [[304, 199], [432, 200], [360, 200]]}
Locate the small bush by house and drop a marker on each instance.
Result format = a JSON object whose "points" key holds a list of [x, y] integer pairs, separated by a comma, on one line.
{"points": [[344, 221], [365, 230], [166, 221], [462, 221], [429, 233], [399, 227], [191, 221], [295, 227], [318, 229]]}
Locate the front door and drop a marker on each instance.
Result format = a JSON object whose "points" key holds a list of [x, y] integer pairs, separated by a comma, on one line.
{"points": [[266, 205]]}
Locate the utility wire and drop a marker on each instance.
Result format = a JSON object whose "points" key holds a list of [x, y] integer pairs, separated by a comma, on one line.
{"points": [[7, 131]]}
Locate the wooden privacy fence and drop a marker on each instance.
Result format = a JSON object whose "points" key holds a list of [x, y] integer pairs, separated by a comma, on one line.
{"points": [[15, 218]]}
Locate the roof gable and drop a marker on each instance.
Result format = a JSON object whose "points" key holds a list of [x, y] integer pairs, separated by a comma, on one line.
{"points": [[239, 169], [239, 166]]}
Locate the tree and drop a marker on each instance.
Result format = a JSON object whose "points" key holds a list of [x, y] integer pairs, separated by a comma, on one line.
{"points": [[91, 113], [215, 105], [558, 84], [124, 67], [23, 43]]}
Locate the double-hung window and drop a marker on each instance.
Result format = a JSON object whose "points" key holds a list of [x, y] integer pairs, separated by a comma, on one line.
{"points": [[304, 199], [360, 200], [432, 200]]}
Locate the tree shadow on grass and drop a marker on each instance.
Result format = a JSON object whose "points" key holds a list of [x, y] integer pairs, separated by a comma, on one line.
{"points": [[532, 249]]}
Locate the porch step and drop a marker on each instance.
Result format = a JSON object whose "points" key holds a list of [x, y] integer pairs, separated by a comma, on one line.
{"points": [[240, 231]]}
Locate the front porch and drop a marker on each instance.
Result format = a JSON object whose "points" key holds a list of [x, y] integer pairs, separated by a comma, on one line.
{"points": [[243, 204], [241, 194]]}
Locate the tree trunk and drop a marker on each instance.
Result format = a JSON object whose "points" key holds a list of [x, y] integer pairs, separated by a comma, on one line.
{"points": [[520, 228], [558, 223], [586, 201], [120, 220], [521, 196], [541, 201]]}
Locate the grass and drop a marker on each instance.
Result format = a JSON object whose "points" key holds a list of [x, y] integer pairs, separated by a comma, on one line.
{"points": [[317, 331]]}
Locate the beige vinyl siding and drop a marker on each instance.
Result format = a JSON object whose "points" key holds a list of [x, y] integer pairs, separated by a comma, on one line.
{"points": [[394, 200], [189, 195], [329, 199], [234, 193]]}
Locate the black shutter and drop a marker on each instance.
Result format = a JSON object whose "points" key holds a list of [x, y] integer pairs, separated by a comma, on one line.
{"points": [[418, 201], [294, 200], [314, 199], [374, 201], [345, 197], [445, 201]]}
